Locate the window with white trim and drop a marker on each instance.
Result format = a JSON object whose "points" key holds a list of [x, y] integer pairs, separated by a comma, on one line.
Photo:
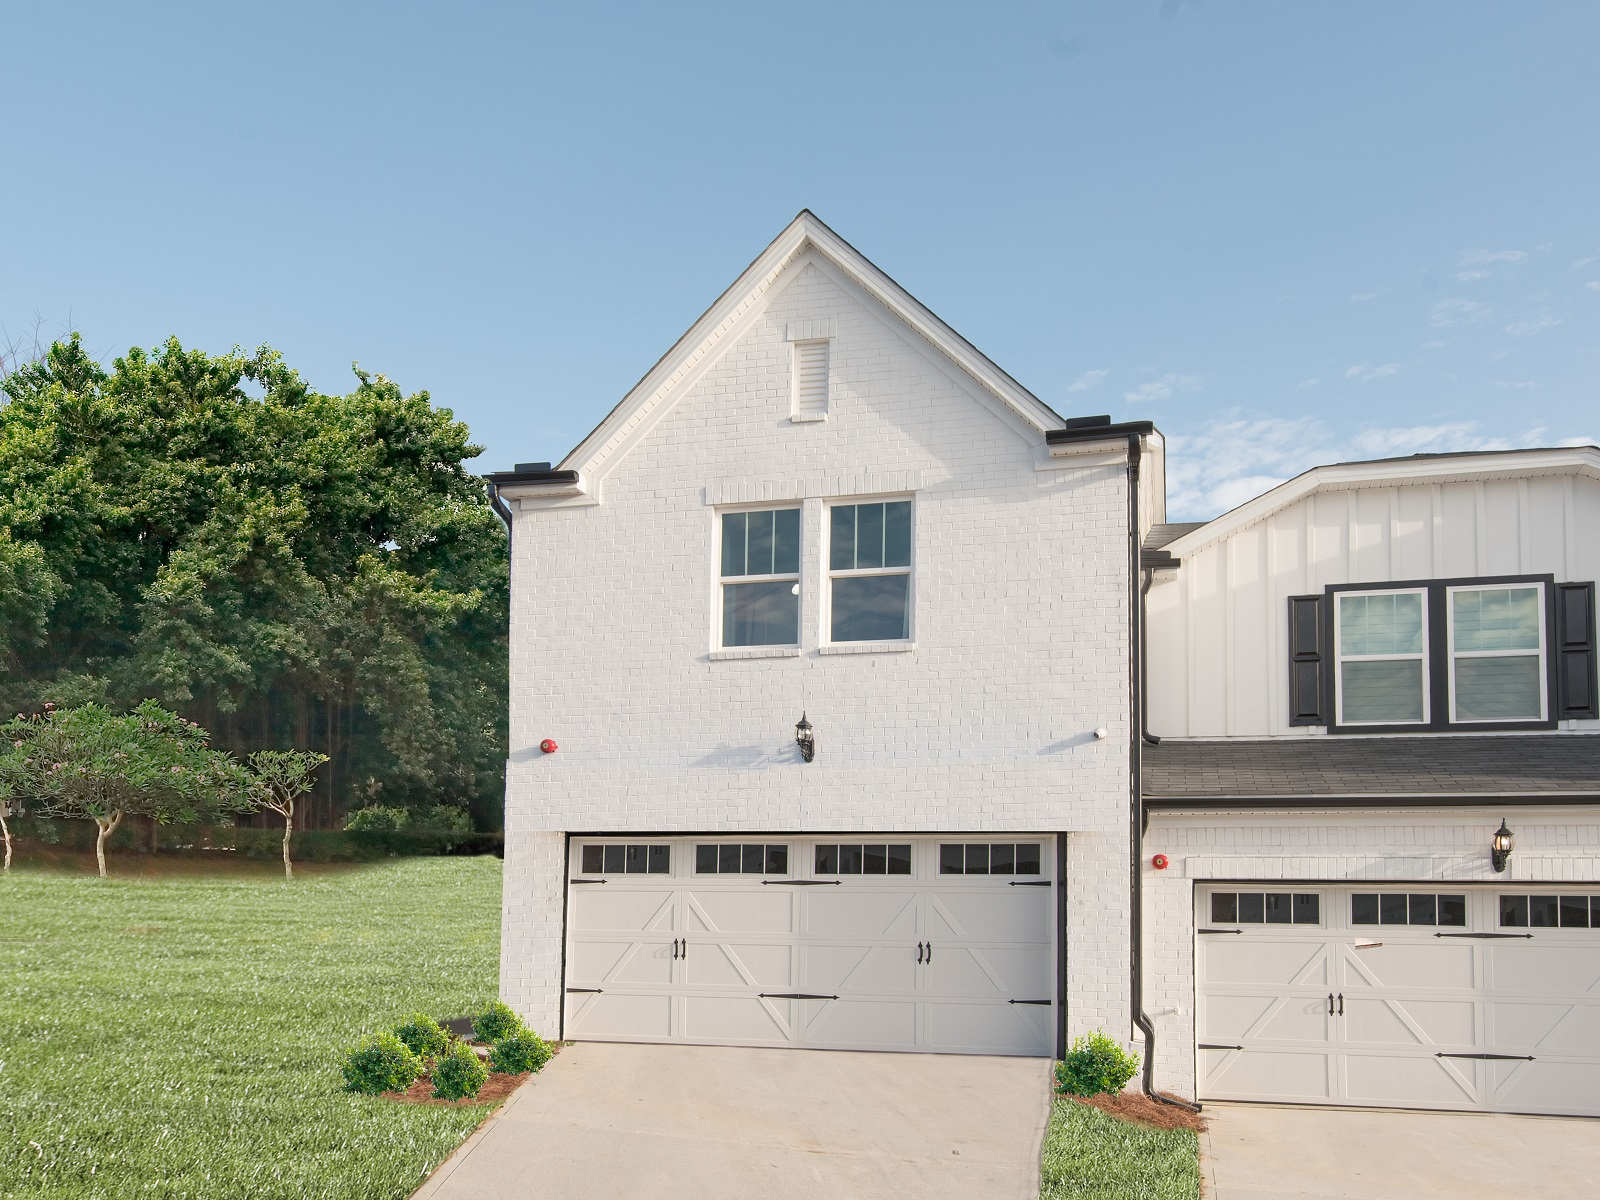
{"points": [[1497, 653], [869, 571], [760, 578], [1381, 647]]}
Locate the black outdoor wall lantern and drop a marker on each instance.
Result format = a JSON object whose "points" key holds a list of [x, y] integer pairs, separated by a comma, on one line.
{"points": [[1500, 848], [803, 739]]}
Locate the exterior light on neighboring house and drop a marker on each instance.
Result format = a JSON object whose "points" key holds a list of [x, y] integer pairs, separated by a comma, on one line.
{"points": [[803, 739], [1501, 847]]}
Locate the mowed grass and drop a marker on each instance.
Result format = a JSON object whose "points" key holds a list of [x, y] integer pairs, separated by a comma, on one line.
{"points": [[180, 1037], [1091, 1156]]}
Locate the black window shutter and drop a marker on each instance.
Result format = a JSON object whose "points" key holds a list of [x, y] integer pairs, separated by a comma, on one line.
{"points": [[1306, 664], [1576, 693]]}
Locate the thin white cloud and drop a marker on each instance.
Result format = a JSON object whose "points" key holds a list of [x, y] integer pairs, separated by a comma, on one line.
{"points": [[1515, 385], [1362, 373], [1307, 383], [1583, 262], [1457, 312], [1593, 285], [1089, 379], [1483, 258], [1532, 325], [1469, 276], [1434, 345], [1235, 458], [1361, 297], [1165, 388]]}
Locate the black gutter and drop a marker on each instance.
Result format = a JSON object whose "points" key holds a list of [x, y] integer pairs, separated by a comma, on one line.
{"points": [[1367, 803], [542, 476], [1136, 430], [1100, 429]]}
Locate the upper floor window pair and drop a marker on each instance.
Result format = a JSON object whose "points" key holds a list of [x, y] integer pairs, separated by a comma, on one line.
{"points": [[867, 592], [1439, 655]]}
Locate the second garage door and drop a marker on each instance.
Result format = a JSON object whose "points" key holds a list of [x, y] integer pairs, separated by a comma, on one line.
{"points": [[1420, 997], [889, 943]]}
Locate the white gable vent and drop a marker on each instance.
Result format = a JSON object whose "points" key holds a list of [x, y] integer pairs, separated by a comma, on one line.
{"points": [[810, 381]]}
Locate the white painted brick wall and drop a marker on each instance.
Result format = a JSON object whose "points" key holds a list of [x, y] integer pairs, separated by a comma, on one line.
{"points": [[1020, 627], [1552, 846]]}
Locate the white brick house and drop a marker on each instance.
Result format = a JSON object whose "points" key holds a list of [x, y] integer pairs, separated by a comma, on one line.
{"points": [[824, 502], [1355, 679]]}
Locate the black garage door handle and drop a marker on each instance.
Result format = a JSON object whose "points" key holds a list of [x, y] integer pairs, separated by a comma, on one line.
{"points": [[793, 996], [1485, 935], [803, 882]]}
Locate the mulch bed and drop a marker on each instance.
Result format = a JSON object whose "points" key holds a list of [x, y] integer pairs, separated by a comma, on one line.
{"points": [[1139, 1109], [494, 1090]]}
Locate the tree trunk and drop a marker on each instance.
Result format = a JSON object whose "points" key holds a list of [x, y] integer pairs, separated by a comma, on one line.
{"points": [[105, 827], [5, 831], [288, 828]]}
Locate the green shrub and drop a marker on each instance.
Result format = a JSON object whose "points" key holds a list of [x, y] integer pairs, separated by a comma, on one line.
{"points": [[496, 1023], [525, 1051], [381, 1062], [422, 1035], [377, 817], [447, 818], [1095, 1064], [458, 1073]]}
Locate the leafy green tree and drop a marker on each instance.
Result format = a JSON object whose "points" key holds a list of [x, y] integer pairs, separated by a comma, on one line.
{"points": [[277, 779], [92, 764], [287, 568]]}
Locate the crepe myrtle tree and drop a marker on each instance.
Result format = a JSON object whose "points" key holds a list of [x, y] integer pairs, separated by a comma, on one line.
{"points": [[92, 764], [277, 779]]}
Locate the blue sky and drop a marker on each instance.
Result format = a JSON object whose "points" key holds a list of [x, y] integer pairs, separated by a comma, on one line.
{"points": [[1286, 232]]}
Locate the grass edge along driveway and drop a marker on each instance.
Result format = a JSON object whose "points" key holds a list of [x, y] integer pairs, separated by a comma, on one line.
{"points": [[179, 1037], [1089, 1155]]}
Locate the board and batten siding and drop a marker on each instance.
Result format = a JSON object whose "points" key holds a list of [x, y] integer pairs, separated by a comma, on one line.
{"points": [[1217, 627]]}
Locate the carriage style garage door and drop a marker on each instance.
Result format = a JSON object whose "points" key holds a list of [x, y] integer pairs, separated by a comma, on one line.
{"points": [[872, 943], [1409, 996]]}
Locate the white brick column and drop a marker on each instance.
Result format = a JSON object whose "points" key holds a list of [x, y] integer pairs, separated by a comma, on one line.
{"points": [[530, 924]]}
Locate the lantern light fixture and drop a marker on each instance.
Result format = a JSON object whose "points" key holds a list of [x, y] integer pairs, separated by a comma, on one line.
{"points": [[1500, 848], [804, 738]]}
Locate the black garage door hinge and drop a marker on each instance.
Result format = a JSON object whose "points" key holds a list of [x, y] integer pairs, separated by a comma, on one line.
{"points": [[1221, 931], [1485, 935], [1209, 1046], [1028, 1001], [1030, 883], [793, 996], [588, 881], [803, 882], [1493, 1057], [586, 989]]}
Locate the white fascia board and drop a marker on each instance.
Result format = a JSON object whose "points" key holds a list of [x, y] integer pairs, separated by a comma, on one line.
{"points": [[1340, 477], [737, 307]]}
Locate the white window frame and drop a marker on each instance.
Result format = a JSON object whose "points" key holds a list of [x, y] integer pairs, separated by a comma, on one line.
{"points": [[1451, 654], [1340, 658], [825, 634], [722, 581]]}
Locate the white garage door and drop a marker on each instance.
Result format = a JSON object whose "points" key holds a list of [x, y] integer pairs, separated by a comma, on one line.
{"points": [[1403, 996], [886, 943]]}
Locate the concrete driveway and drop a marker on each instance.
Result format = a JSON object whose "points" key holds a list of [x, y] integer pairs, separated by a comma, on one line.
{"points": [[1264, 1152], [708, 1122]]}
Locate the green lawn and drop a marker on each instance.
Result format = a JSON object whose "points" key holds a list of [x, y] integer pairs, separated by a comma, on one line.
{"points": [[1091, 1156], [179, 1037]]}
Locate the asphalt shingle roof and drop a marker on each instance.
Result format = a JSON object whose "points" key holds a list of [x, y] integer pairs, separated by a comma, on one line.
{"points": [[1546, 764]]}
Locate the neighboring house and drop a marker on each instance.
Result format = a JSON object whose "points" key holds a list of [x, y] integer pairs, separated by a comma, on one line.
{"points": [[824, 511], [1355, 679]]}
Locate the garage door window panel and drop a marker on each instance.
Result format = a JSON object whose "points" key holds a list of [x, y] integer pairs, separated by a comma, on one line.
{"points": [[989, 858], [866, 858], [736, 858], [1550, 912], [620, 859], [1266, 908], [1413, 908]]}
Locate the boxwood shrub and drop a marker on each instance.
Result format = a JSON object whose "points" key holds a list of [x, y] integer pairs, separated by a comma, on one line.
{"points": [[496, 1023], [458, 1073], [1095, 1064], [380, 1063], [424, 1036], [524, 1051]]}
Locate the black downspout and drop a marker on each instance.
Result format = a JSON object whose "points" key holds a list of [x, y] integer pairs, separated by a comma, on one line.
{"points": [[1136, 782], [500, 509]]}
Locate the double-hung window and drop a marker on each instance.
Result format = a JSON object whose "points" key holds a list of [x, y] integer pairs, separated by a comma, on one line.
{"points": [[869, 571], [761, 578], [1381, 640], [1497, 654]]}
